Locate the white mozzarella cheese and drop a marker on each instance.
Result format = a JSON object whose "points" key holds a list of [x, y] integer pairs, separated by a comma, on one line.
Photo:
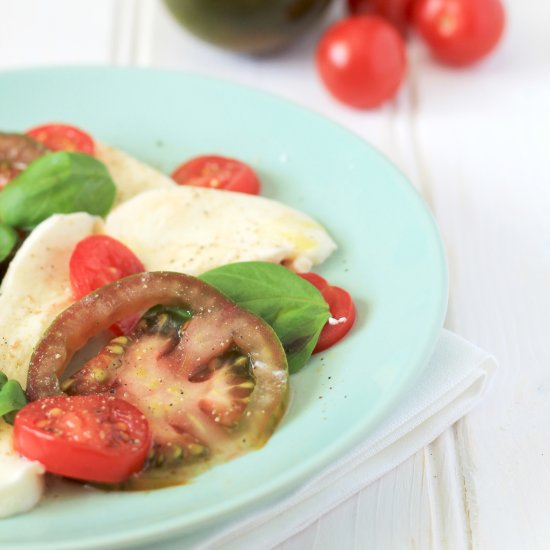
{"points": [[131, 176], [191, 230], [21, 481], [37, 287]]}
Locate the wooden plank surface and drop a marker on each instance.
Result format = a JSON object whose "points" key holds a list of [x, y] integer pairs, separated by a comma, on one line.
{"points": [[475, 143]]}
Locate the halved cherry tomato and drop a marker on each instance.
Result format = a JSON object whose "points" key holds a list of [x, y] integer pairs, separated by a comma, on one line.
{"points": [[314, 279], [98, 260], [62, 137], [91, 438], [361, 60], [218, 173], [460, 32], [211, 387], [342, 311], [397, 12]]}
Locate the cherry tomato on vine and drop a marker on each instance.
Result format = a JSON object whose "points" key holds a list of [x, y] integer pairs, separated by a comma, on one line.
{"points": [[218, 173], [92, 438], [342, 311], [62, 137], [397, 12], [361, 60], [460, 32]]}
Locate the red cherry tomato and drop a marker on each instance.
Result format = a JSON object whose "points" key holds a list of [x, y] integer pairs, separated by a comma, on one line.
{"points": [[218, 173], [361, 60], [460, 32], [61, 137], [92, 438], [342, 311], [397, 12], [314, 279], [97, 261]]}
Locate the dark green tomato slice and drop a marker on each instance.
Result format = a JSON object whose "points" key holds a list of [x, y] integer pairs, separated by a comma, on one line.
{"points": [[17, 151], [252, 26], [211, 388]]}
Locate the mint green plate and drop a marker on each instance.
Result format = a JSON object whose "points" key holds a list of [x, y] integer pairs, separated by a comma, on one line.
{"points": [[390, 258]]}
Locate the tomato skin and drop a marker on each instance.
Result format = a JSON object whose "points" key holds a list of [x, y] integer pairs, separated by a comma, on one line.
{"points": [[218, 173], [397, 12], [98, 260], [342, 311], [460, 32], [62, 137], [91, 438], [362, 61]]}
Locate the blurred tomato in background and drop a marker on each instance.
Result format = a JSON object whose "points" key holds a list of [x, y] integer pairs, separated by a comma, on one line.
{"points": [[361, 58], [459, 32], [249, 26], [397, 12]]}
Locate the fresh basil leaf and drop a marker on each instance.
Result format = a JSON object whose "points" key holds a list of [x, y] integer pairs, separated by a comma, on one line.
{"points": [[12, 398], [294, 308], [8, 240], [57, 183]]}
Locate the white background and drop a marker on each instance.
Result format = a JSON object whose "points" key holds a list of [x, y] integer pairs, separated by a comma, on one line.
{"points": [[476, 143]]}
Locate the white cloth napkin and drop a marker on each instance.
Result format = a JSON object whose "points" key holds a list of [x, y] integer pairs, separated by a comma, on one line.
{"points": [[454, 381]]}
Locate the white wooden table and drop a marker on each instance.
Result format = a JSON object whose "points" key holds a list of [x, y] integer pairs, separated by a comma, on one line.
{"points": [[476, 143]]}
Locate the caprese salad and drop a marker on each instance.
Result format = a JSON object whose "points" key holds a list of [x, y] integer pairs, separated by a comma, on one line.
{"points": [[148, 324]]}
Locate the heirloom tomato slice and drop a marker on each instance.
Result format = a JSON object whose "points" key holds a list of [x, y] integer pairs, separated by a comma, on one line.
{"points": [[17, 151], [211, 380]]}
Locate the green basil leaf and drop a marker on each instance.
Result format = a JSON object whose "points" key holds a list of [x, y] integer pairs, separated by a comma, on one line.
{"points": [[294, 308], [8, 240], [57, 183], [12, 398]]}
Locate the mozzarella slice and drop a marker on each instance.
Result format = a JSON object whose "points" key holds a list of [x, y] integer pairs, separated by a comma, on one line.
{"points": [[37, 287], [191, 230], [21, 481], [130, 175]]}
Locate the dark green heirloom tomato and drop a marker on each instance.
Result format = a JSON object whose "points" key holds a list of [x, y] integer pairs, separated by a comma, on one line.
{"points": [[16, 152], [212, 384], [251, 26]]}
